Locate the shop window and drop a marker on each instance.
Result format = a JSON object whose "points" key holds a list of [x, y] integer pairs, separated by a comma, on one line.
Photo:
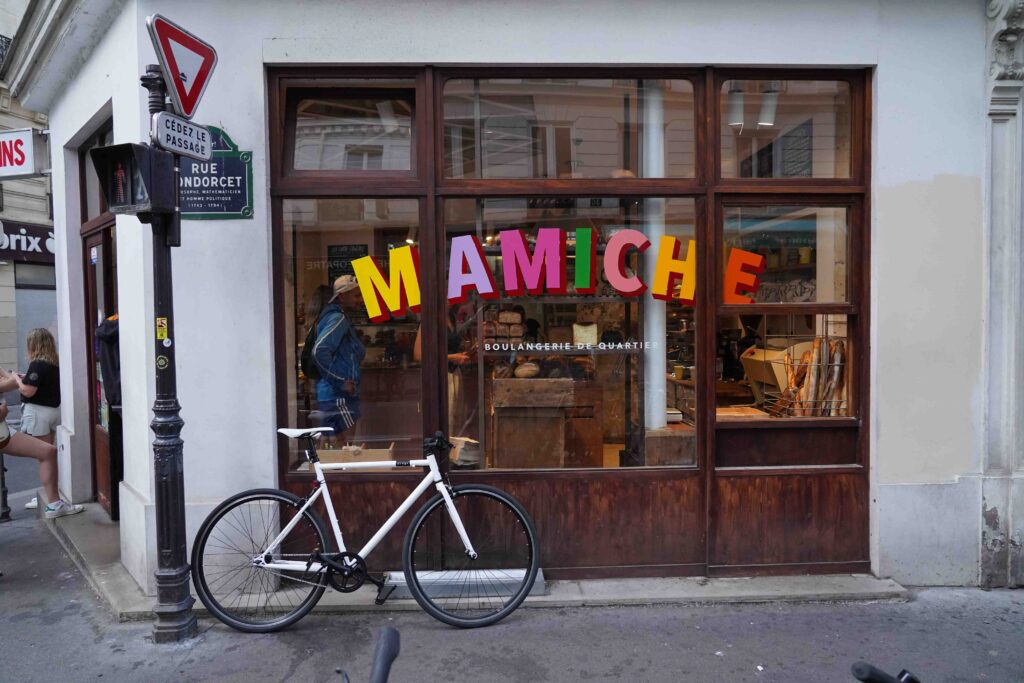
{"points": [[322, 238], [515, 128], [368, 126], [783, 366], [803, 249], [785, 129], [567, 379], [35, 276]]}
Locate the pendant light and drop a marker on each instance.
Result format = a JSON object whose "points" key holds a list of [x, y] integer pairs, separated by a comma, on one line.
{"points": [[734, 113], [769, 104]]}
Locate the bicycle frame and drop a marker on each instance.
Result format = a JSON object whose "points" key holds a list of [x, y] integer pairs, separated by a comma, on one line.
{"points": [[432, 477]]}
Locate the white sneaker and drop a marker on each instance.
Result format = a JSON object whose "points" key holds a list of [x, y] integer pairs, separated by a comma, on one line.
{"points": [[32, 504], [61, 508]]}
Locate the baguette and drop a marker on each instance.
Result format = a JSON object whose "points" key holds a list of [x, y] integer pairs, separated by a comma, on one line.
{"points": [[813, 372], [839, 390], [800, 383]]}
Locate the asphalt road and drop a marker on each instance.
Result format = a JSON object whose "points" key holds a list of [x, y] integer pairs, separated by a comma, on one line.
{"points": [[53, 628]]}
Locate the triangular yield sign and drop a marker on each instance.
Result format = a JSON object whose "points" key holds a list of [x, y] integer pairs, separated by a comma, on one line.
{"points": [[187, 63]]}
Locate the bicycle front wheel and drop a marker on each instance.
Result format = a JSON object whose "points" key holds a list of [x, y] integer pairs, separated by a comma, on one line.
{"points": [[238, 591], [455, 588]]}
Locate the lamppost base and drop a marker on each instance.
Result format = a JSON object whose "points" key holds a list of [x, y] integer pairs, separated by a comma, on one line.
{"points": [[175, 623]]}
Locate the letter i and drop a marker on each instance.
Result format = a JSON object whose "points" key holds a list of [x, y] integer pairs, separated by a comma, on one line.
{"points": [[585, 278]]}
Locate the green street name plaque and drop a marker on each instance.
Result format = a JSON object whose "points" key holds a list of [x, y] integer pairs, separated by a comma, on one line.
{"points": [[218, 189]]}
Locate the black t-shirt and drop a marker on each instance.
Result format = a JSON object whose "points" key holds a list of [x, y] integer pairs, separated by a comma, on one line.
{"points": [[45, 377]]}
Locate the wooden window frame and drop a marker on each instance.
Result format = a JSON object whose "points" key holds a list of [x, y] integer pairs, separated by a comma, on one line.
{"points": [[711, 192]]}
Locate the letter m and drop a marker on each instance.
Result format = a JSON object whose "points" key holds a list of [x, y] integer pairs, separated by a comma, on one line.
{"points": [[396, 295]]}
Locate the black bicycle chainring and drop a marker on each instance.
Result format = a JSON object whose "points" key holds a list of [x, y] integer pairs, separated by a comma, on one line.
{"points": [[346, 572]]}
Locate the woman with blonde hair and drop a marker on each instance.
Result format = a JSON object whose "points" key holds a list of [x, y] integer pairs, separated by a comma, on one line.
{"points": [[39, 387]]}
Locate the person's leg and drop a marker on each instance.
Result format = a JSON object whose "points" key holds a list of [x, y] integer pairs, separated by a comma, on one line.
{"points": [[26, 446]]}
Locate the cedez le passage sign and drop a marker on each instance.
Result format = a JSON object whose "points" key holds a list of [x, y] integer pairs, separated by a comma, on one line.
{"points": [[543, 270]]}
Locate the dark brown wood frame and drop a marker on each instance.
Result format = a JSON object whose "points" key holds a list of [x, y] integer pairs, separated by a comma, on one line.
{"points": [[710, 191]]}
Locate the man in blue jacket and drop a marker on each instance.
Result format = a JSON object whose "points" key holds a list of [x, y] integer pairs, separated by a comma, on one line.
{"points": [[338, 353]]}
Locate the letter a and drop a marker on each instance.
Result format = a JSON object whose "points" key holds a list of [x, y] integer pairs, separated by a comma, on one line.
{"points": [[466, 251]]}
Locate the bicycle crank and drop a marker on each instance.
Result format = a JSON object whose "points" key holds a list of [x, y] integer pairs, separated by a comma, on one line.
{"points": [[346, 572]]}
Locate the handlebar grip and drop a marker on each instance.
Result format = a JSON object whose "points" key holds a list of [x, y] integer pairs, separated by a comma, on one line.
{"points": [[863, 671], [388, 647]]}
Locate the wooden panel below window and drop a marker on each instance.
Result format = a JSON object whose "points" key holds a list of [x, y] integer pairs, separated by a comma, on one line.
{"points": [[777, 519], [786, 447], [642, 523], [588, 520]]}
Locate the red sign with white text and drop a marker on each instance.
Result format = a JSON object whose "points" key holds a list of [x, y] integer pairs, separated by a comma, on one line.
{"points": [[18, 153], [187, 63]]}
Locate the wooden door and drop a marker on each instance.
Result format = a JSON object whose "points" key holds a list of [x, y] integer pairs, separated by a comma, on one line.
{"points": [[104, 420]]}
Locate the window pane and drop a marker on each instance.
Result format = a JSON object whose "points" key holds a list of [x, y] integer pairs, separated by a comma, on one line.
{"points": [[785, 129], [783, 366], [366, 127], [34, 275], [571, 380], [321, 239], [568, 128], [804, 250]]}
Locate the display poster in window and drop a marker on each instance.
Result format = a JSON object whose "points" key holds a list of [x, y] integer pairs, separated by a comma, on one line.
{"points": [[340, 258], [221, 188]]}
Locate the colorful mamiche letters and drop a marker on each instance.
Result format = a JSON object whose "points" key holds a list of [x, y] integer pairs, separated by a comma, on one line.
{"points": [[543, 270]]}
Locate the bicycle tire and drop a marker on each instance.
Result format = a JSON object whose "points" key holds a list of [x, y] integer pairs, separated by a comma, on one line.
{"points": [[448, 552], [238, 543]]}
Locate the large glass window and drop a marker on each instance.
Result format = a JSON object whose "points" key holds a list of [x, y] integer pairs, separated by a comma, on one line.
{"points": [[562, 128], [572, 379], [804, 250], [785, 129], [573, 373], [321, 239], [367, 126]]}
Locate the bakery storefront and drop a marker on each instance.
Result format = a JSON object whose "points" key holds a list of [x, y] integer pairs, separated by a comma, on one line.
{"points": [[657, 409]]}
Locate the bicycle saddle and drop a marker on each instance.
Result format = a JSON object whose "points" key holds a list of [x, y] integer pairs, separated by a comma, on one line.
{"points": [[299, 433]]}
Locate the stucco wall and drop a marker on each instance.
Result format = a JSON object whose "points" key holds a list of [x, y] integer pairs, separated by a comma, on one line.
{"points": [[927, 269]]}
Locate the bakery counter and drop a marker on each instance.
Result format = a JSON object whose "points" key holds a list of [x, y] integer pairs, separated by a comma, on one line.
{"points": [[546, 423]]}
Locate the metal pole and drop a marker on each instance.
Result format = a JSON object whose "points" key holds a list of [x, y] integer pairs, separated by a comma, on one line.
{"points": [[5, 509], [174, 618]]}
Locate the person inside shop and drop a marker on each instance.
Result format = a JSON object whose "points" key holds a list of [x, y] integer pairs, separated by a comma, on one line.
{"points": [[459, 337], [338, 353], [39, 387]]}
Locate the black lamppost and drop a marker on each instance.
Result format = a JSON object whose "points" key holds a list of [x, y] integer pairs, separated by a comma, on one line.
{"points": [[174, 618]]}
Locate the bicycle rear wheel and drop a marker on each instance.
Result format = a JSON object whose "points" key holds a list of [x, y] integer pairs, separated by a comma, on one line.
{"points": [[456, 589], [243, 595]]}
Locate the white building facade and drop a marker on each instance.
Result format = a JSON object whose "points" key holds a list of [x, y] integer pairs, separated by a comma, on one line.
{"points": [[939, 430]]}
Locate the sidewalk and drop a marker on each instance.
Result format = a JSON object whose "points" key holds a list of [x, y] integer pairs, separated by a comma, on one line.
{"points": [[93, 543], [53, 627]]}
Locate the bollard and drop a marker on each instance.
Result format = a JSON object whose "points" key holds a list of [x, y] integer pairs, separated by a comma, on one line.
{"points": [[5, 509]]}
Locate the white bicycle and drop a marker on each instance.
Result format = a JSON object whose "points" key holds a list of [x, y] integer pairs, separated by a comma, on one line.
{"points": [[263, 558]]}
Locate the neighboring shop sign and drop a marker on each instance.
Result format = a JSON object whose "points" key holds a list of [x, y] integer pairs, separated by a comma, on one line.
{"points": [[26, 243], [220, 188], [340, 258], [22, 153]]}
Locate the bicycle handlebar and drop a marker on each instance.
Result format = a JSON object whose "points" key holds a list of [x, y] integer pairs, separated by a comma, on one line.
{"points": [[863, 671], [388, 647]]}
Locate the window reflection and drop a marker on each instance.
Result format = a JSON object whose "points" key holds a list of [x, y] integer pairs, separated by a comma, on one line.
{"points": [[355, 129], [785, 129], [568, 128]]}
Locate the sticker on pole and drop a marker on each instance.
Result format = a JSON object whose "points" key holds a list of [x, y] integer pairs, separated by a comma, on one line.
{"points": [[181, 136], [187, 63]]}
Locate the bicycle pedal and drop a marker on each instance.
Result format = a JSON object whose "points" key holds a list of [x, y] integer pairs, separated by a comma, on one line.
{"points": [[383, 593]]}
